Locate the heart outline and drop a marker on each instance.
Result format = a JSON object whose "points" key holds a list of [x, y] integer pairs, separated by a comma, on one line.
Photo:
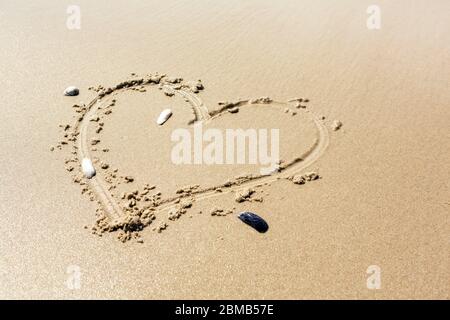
{"points": [[201, 113]]}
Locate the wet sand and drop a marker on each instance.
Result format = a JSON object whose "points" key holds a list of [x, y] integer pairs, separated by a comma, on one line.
{"points": [[382, 197]]}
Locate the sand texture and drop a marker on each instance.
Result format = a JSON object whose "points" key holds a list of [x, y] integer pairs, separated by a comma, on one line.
{"points": [[363, 177]]}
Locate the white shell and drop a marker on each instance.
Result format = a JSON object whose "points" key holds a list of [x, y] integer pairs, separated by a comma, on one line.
{"points": [[88, 168], [71, 91], [164, 116]]}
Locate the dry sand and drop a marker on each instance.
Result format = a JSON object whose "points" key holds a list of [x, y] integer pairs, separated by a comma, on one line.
{"points": [[376, 125]]}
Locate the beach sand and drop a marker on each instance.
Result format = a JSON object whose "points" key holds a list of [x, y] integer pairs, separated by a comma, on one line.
{"points": [[383, 194]]}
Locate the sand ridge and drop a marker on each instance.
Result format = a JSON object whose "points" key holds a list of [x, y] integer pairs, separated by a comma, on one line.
{"points": [[132, 211]]}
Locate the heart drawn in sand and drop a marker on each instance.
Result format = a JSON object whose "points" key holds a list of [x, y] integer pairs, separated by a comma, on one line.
{"points": [[132, 210]]}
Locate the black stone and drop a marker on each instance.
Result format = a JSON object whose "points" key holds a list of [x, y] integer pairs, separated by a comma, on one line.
{"points": [[254, 221]]}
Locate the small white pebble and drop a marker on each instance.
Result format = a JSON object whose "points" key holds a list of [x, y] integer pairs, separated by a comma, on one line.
{"points": [[88, 168], [164, 116], [71, 91]]}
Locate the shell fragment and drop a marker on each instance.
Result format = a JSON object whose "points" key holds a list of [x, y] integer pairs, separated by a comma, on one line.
{"points": [[164, 116], [254, 221]]}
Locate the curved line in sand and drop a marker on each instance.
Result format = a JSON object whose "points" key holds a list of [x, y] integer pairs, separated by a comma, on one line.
{"points": [[113, 210], [201, 112], [96, 182], [299, 164]]}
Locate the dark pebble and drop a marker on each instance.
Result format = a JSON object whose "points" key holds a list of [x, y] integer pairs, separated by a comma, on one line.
{"points": [[254, 221]]}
